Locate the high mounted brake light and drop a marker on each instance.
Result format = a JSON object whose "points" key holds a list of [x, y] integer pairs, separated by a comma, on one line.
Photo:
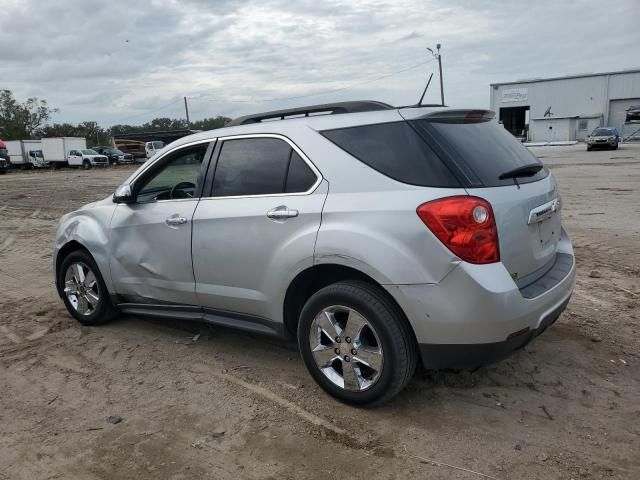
{"points": [[466, 225]]}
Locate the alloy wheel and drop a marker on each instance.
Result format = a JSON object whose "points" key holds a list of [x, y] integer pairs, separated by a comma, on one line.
{"points": [[346, 348], [81, 288]]}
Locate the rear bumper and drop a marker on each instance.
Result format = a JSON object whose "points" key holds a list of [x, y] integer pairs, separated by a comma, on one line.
{"points": [[478, 315], [470, 356]]}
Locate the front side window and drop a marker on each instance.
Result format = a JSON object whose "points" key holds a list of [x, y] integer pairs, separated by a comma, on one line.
{"points": [[260, 166], [177, 178]]}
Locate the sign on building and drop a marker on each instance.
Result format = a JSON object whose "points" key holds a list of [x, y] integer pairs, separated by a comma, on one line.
{"points": [[515, 95]]}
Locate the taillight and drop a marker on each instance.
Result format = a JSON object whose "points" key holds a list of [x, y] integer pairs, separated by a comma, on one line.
{"points": [[466, 225]]}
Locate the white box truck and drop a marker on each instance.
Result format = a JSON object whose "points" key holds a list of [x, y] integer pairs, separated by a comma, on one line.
{"points": [[25, 153], [56, 150], [32, 152], [14, 150]]}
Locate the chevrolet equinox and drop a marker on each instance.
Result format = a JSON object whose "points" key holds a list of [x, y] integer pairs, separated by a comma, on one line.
{"points": [[376, 236]]}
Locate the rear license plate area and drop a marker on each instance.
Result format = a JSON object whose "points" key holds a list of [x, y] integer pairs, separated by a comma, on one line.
{"points": [[549, 230]]}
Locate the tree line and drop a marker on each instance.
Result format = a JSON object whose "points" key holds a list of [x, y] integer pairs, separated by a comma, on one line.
{"points": [[31, 120]]}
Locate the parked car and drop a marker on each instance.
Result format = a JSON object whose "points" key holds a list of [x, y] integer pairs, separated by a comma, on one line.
{"points": [[87, 158], [4, 158], [151, 148], [633, 114], [603, 137], [114, 155], [376, 236]]}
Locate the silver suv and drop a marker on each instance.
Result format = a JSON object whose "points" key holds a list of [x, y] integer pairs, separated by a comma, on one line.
{"points": [[377, 236]]}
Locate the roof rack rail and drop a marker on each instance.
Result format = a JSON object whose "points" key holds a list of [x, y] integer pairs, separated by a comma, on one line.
{"points": [[327, 108]]}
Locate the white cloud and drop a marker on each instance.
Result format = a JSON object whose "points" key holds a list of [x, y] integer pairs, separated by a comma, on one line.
{"points": [[122, 60]]}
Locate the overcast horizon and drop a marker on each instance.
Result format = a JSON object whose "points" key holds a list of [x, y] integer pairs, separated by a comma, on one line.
{"points": [[112, 62]]}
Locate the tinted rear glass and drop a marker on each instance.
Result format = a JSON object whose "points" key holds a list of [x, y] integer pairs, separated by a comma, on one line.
{"points": [[481, 150], [254, 166], [300, 177], [395, 150]]}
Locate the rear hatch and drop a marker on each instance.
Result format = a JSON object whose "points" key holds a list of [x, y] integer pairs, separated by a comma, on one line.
{"points": [[493, 165]]}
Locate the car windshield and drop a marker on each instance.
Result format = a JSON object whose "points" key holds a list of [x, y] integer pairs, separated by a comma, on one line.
{"points": [[117, 152], [157, 145], [598, 132], [89, 152]]}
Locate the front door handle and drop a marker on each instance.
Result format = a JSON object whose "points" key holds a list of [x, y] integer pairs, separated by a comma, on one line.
{"points": [[282, 213], [175, 220]]}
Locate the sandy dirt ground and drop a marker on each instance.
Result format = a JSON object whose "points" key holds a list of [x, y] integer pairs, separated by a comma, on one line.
{"points": [[227, 405]]}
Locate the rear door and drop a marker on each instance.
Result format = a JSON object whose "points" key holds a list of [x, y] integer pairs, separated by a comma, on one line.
{"points": [[527, 209], [257, 229]]}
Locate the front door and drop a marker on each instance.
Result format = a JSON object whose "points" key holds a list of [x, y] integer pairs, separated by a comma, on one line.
{"points": [[257, 228], [151, 239]]}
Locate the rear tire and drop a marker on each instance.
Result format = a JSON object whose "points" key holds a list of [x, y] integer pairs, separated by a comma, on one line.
{"points": [[384, 340], [83, 291]]}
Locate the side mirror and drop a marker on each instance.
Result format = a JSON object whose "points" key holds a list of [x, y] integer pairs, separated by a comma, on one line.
{"points": [[123, 194]]}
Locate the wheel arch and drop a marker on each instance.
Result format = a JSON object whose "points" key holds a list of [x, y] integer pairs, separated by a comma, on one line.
{"points": [[318, 276]]}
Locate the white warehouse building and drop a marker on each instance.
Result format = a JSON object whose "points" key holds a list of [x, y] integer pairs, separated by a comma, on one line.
{"points": [[569, 108]]}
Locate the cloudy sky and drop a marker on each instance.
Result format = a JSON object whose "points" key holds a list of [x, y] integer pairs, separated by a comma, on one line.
{"points": [[124, 61]]}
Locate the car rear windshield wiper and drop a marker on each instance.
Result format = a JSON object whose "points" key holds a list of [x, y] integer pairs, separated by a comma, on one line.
{"points": [[525, 171], [528, 170]]}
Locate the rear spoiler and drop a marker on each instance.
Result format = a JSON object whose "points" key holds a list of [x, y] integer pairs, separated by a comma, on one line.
{"points": [[458, 116]]}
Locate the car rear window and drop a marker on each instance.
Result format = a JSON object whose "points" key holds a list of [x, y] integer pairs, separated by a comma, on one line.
{"points": [[395, 150], [481, 150]]}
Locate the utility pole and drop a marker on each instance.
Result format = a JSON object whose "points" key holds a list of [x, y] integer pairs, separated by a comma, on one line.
{"points": [[439, 57], [186, 108]]}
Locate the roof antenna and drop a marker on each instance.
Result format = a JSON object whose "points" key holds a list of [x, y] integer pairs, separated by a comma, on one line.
{"points": [[419, 104]]}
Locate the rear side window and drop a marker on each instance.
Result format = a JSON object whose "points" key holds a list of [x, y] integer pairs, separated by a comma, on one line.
{"points": [[260, 166], [395, 150], [482, 149], [300, 177]]}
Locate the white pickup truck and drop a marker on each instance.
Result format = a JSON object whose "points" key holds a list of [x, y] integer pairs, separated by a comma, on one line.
{"points": [[86, 158]]}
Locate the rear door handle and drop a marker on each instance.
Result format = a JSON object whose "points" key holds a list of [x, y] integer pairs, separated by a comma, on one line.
{"points": [[282, 213], [175, 220]]}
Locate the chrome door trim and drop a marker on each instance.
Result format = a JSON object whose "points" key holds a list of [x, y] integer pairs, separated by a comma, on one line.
{"points": [[295, 148]]}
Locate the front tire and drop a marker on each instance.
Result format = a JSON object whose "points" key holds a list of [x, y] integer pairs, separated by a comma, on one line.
{"points": [[356, 343], [83, 290], [86, 164]]}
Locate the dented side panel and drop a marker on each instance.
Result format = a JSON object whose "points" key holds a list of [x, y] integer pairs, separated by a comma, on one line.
{"points": [[88, 226], [150, 259]]}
